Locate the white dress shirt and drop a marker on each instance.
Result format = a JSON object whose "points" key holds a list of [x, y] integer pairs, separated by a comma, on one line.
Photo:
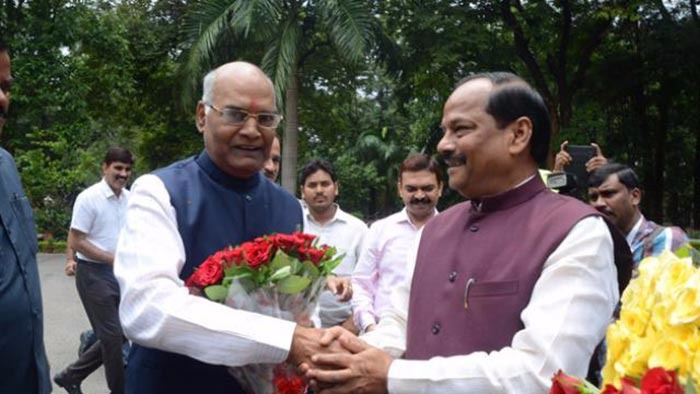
{"points": [[99, 213], [567, 316], [156, 308], [343, 231], [381, 266]]}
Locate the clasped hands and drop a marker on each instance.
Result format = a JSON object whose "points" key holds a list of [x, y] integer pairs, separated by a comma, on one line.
{"points": [[336, 361]]}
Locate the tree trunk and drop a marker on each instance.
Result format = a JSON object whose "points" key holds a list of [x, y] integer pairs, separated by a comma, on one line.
{"points": [[291, 134]]}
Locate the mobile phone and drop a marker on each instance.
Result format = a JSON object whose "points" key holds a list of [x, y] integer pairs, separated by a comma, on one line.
{"points": [[580, 154]]}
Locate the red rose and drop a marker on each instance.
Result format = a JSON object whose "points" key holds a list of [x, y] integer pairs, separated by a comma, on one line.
{"points": [[256, 254], [313, 254], [610, 389], [565, 384], [659, 381], [210, 272], [629, 387], [286, 242], [303, 239]]}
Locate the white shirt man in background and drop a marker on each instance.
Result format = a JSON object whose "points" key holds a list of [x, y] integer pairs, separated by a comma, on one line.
{"points": [[334, 227], [98, 216], [382, 263]]}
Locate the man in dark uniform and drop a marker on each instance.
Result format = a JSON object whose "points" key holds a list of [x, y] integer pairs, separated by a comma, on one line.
{"points": [[23, 365]]}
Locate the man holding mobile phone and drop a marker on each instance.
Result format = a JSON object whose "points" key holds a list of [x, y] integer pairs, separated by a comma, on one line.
{"points": [[564, 159]]}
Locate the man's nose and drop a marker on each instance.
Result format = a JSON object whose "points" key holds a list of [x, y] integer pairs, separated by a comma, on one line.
{"points": [[269, 165], [250, 128], [597, 202], [446, 144]]}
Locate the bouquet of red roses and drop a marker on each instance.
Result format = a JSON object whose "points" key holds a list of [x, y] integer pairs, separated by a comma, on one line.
{"points": [[278, 275]]}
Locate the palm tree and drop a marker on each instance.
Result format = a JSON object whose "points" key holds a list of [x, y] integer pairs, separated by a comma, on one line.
{"points": [[286, 34]]}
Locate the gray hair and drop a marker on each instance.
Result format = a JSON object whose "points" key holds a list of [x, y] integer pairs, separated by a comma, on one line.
{"points": [[208, 87]]}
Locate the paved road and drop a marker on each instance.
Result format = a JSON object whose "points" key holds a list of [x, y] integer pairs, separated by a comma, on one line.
{"points": [[64, 319]]}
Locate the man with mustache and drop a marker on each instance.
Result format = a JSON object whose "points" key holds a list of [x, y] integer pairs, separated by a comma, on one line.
{"points": [[613, 190], [335, 227], [23, 365], [98, 216], [382, 263], [507, 287]]}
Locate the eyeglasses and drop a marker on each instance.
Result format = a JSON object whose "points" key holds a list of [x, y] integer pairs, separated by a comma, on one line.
{"points": [[236, 117]]}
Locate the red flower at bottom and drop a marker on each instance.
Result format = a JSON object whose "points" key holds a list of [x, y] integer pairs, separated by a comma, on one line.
{"points": [[659, 381], [286, 382], [565, 384]]}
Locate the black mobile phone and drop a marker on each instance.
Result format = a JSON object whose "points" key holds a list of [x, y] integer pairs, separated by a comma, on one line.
{"points": [[580, 154]]}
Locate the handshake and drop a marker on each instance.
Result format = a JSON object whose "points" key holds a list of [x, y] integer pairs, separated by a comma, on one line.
{"points": [[335, 361]]}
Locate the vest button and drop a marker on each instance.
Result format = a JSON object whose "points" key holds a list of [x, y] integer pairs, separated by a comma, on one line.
{"points": [[453, 276], [248, 197], [474, 228], [436, 328]]}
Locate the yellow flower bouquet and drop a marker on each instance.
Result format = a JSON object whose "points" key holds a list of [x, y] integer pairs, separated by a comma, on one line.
{"points": [[659, 324]]}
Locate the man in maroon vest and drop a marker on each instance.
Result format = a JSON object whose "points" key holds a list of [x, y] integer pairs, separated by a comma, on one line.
{"points": [[507, 287]]}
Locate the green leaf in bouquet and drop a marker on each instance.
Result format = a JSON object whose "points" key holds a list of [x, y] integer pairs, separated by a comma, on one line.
{"points": [[690, 387], [238, 270], [281, 273], [328, 266], [216, 293], [293, 284], [280, 260], [310, 270]]}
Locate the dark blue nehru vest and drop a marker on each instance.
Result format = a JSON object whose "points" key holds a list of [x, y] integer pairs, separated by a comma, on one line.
{"points": [[213, 210]]}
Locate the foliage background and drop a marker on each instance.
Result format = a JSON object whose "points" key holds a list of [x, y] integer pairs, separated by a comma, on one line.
{"points": [[90, 74]]}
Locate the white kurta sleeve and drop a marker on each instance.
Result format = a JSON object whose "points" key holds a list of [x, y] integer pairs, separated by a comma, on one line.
{"points": [[156, 308]]}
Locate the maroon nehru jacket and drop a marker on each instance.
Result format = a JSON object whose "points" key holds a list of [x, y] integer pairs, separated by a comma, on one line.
{"points": [[476, 269]]}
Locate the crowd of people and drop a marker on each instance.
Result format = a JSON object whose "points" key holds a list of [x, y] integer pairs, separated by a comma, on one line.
{"points": [[494, 294]]}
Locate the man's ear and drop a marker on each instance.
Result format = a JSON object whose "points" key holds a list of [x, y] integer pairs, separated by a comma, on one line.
{"points": [[201, 114], [521, 135], [636, 195]]}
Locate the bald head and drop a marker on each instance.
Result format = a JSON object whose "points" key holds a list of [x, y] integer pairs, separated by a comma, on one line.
{"points": [[235, 70]]}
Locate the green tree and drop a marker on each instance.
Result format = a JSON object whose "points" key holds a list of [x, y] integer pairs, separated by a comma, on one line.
{"points": [[289, 33]]}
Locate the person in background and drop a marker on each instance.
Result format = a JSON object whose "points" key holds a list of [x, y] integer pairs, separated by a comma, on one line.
{"points": [[98, 216], [335, 227], [563, 158], [613, 189], [23, 365], [271, 169], [382, 263]]}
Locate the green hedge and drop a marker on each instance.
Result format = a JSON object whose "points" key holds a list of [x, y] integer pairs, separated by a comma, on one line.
{"points": [[52, 246]]}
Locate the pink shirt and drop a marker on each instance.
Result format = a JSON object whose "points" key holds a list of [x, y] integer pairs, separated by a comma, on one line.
{"points": [[381, 267]]}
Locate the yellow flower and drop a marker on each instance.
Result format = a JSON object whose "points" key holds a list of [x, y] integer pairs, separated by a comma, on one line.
{"points": [[687, 303], [635, 320], [675, 275], [695, 367], [659, 314], [670, 354], [618, 340]]}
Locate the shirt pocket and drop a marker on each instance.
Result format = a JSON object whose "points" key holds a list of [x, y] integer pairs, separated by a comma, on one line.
{"points": [[486, 295], [25, 220]]}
